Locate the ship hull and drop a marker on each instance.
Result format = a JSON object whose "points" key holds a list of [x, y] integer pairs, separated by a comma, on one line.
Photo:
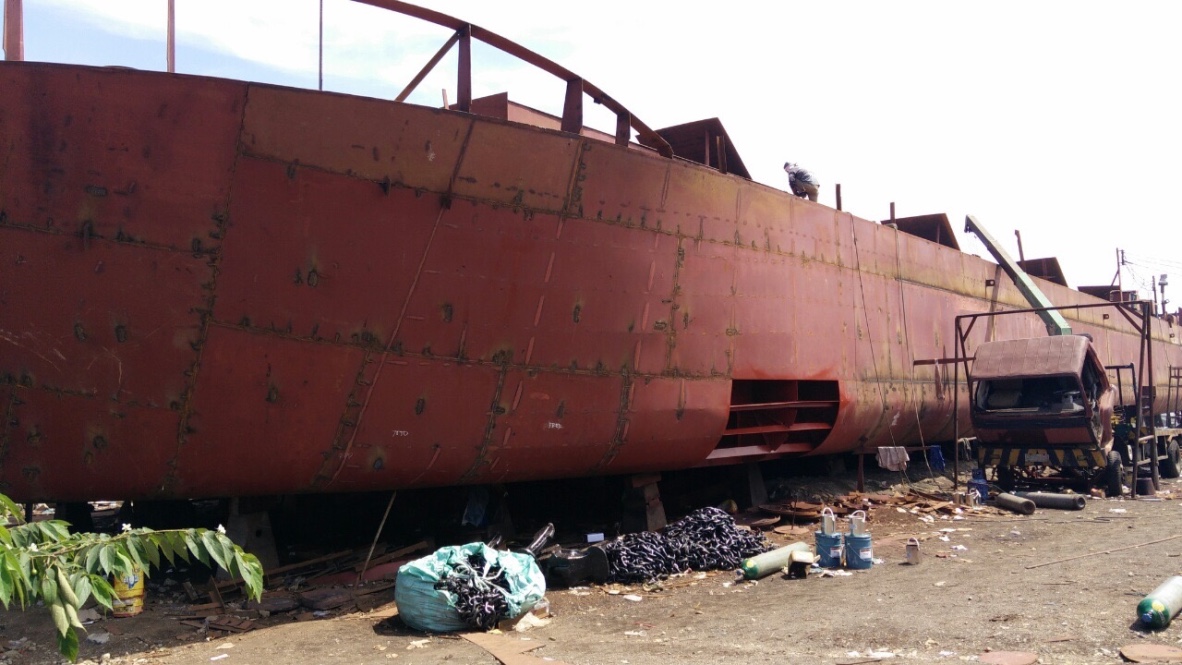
{"points": [[215, 288]]}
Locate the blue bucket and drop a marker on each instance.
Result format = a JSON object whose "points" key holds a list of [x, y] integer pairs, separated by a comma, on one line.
{"points": [[859, 554], [829, 549]]}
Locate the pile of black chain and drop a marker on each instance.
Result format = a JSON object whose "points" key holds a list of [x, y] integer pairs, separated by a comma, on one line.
{"points": [[706, 539], [479, 590]]}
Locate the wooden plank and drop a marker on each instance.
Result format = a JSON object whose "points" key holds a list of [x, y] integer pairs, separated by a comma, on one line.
{"points": [[508, 650]]}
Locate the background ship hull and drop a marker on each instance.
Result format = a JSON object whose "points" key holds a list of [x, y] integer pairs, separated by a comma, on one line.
{"points": [[214, 288]]}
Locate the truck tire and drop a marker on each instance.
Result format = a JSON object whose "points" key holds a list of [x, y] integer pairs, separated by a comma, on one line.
{"points": [[1170, 467], [1113, 470]]}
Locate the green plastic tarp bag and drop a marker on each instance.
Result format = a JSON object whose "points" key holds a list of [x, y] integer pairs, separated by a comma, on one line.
{"points": [[423, 607]]}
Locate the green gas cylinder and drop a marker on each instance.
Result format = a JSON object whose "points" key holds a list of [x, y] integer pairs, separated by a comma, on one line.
{"points": [[762, 565], [1162, 604]]}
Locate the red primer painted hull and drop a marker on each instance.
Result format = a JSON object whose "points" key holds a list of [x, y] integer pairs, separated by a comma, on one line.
{"points": [[215, 288]]}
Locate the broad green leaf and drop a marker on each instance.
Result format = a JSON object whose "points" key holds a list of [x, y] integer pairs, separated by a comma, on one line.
{"points": [[48, 590], [210, 540], [193, 540], [107, 558], [176, 540], [150, 549], [67, 645], [6, 583], [12, 565], [5, 537], [26, 568], [101, 590], [92, 558], [252, 574], [126, 565], [58, 610], [228, 549], [72, 616], [131, 544], [81, 587], [56, 530], [8, 506], [164, 542]]}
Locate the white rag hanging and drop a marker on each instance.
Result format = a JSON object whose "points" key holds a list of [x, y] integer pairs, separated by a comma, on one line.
{"points": [[894, 458]]}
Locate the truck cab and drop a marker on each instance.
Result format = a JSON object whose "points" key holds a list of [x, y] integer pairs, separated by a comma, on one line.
{"points": [[1044, 401]]}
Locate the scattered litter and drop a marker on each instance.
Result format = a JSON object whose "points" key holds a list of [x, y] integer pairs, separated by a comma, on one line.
{"points": [[1117, 510], [220, 656], [320, 614], [1015, 532], [226, 645], [828, 572], [633, 597], [417, 644], [635, 633], [99, 637], [946, 653], [941, 583], [945, 538], [960, 548]]}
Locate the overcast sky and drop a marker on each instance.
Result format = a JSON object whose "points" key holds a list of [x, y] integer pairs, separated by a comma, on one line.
{"points": [[1060, 119]]}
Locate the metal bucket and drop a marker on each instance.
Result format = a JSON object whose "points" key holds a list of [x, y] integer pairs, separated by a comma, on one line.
{"points": [[859, 554], [129, 595], [829, 549], [858, 523], [828, 521], [911, 554]]}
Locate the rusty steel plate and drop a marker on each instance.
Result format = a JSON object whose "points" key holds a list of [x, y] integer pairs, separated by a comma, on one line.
{"points": [[1008, 658], [1151, 653]]}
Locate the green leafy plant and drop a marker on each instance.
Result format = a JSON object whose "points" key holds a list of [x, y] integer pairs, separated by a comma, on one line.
{"points": [[43, 561]]}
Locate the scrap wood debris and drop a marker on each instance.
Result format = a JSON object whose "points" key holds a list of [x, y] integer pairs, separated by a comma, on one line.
{"points": [[914, 501]]}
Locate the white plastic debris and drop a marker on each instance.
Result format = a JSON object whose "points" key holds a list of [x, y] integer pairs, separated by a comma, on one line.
{"points": [[633, 597], [98, 637]]}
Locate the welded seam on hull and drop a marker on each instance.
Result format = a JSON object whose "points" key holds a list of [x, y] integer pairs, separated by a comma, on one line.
{"points": [[6, 430], [494, 410], [620, 434], [184, 429], [91, 236], [572, 198], [355, 423]]}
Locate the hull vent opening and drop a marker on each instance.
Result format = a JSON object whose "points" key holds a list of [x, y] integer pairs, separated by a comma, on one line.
{"points": [[773, 417]]}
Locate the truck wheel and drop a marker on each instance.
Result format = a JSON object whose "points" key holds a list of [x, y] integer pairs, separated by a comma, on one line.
{"points": [[1113, 470], [1170, 467]]}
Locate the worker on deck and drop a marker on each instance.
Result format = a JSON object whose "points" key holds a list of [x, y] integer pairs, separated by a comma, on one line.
{"points": [[802, 182]]}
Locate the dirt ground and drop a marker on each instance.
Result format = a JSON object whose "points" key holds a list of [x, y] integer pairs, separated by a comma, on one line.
{"points": [[1063, 585]]}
